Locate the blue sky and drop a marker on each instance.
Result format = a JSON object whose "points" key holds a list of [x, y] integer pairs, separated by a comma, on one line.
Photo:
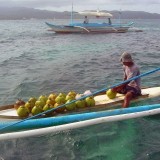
{"points": [[152, 6]]}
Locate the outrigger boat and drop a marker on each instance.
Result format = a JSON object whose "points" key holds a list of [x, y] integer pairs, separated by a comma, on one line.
{"points": [[91, 27], [105, 110]]}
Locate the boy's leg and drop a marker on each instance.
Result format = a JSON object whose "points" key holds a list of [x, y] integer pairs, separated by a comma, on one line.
{"points": [[128, 96]]}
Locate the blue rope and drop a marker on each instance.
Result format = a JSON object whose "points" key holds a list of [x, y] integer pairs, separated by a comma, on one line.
{"points": [[92, 94]]}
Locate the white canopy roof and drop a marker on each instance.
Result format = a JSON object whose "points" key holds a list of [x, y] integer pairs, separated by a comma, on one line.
{"points": [[98, 13]]}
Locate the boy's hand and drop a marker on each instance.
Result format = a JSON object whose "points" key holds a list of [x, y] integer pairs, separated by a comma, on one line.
{"points": [[118, 88]]}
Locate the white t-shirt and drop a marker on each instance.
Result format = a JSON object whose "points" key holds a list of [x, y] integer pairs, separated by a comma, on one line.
{"points": [[130, 72]]}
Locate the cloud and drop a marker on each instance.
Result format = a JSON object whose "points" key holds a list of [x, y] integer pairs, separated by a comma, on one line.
{"points": [[133, 2], [34, 3], [64, 5]]}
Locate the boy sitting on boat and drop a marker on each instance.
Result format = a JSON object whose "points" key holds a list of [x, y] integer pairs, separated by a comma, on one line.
{"points": [[131, 89], [86, 20], [109, 21]]}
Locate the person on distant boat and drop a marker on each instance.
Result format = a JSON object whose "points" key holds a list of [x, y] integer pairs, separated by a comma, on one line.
{"points": [[86, 20], [131, 89], [109, 21]]}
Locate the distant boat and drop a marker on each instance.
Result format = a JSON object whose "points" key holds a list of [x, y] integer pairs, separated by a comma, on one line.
{"points": [[96, 27]]}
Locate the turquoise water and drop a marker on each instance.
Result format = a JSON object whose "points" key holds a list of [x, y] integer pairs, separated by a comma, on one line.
{"points": [[34, 61]]}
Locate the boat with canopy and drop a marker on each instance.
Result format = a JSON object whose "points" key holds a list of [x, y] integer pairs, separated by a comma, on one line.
{"points": [[91, 27]]}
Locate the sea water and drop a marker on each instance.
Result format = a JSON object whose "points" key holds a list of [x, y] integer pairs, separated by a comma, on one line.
{"points": [[35, 61]]}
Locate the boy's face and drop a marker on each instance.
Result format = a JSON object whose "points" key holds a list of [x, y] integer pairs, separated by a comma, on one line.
{"points": [[128, 63]]}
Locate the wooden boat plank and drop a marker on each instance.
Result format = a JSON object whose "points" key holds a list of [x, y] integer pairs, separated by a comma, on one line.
{"points": [[10, 106]]}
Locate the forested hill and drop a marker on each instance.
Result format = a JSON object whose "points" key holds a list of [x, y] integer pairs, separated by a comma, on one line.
{"points": [[29, 13]]}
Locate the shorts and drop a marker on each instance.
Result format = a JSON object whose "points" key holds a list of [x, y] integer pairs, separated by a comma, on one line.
{"points": [[136, 92]]}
